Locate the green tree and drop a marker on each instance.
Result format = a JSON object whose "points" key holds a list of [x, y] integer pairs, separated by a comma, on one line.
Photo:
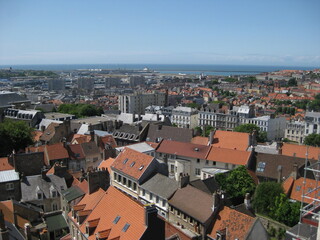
{"points": [[312, 140], [80, 110], [292, 82], [284, 211], [264, 196], [14, 135], [237, 182]]}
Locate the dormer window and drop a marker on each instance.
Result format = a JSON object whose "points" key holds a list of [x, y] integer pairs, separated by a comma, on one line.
{"points": [[39, 193], [53, 192]]}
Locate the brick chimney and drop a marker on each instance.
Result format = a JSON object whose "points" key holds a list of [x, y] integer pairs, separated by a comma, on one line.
{"points": [[295, 171], [247, 201], [184, 180], [151, 214]]}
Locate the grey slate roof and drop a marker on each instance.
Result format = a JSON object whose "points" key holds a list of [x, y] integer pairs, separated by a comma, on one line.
{"points": [[157, 133], [72, 193], [7, 98], [29, 186], [208, 185], [306, 230], [8, 176], [161, 186]]}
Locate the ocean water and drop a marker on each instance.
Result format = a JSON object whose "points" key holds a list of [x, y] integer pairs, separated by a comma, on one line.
{"points": [[224, 70]]}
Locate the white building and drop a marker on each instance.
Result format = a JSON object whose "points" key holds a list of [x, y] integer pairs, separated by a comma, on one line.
{"points": [[312, 123], [185, 117], [295, 131], [275, 127], [136, 103]]}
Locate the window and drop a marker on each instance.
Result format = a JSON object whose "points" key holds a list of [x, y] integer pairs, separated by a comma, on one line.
{"points": [[157, 199], [184, 217], [150, 196], [143, 192], [134, 186], [132, 164], [171, 209], [119, 178], [9, 186], [198, 160], [178, 214], [191, 221], [214, 163], [197, 171], [39, 195], [164, 203], [129, 183], [116, 220], [124, 181], [207, 162], [125, 228], [171, 168], [53, 193], [54, 207], [114, 176]]}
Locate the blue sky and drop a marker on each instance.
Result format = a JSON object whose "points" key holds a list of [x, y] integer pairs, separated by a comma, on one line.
{"points": [[273, 32]]}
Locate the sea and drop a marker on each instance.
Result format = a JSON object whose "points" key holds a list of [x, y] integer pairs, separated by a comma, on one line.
{"points": [[196, 69]]}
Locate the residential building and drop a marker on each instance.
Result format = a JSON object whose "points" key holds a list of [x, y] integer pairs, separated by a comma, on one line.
{"points": [[30, 117], [27, 164], [183, 158], [136, 103], [274, 127], [59, 116], [10, 185], [10, 99], [55, 132], [86, 83], [131, 169], [43, 190], [56, 84], [109, 219], [158, 190], [299, 151], [129, 134], [184, 117], [312, 123], [161, 110], [295, 131]]}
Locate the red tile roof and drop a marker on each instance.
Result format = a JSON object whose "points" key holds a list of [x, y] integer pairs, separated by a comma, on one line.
{"points": [[106, 164], [297, 190], [135, 165], [109, 139], [113, 204], [237, 224], [225, 155], [300, 151], [56, 151], [231, 140], [287, 185], [200, 140], [183, 149], [5, 165]]}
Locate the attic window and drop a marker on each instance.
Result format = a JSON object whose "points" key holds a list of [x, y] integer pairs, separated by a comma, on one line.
{"points": [[196, 149], [141, 167], [261, 166], [298, 188], [125, 228], [125, 161], [116, 220], [132, 164], [77, 154]]}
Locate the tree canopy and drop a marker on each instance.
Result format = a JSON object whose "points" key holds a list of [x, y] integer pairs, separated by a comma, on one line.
{"points": [[80, 110], [237, 182], [264, 196], [14, 135], [250, 128], [312, 140]]}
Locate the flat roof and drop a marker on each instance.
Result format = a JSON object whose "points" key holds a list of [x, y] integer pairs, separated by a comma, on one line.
{"points": [[8, 176]]}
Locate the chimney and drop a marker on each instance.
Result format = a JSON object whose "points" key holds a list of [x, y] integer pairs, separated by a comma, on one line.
{"points": [[183, 180], [43, 128], [279, 169], [27, 231], [215, 201], [44, 173], [151, 214], [158, 117], [247, 201], [295, 171], [211, 136], [159, 126], [4, 233], [92, 135]]}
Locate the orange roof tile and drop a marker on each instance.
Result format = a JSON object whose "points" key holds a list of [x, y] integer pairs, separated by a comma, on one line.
{"points": [[231, 156], [200, 140], [300, 151], [135, 165], [231, 140], [5, 165], [237, 224], [298, 187], [106, 164], [56, 151], [91, 200], [37, 135], [287, 185], [112, 205], [109, 139]]}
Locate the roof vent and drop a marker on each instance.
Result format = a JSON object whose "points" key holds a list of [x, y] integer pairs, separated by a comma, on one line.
{"points": [[141, 167], [196, 149]]}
